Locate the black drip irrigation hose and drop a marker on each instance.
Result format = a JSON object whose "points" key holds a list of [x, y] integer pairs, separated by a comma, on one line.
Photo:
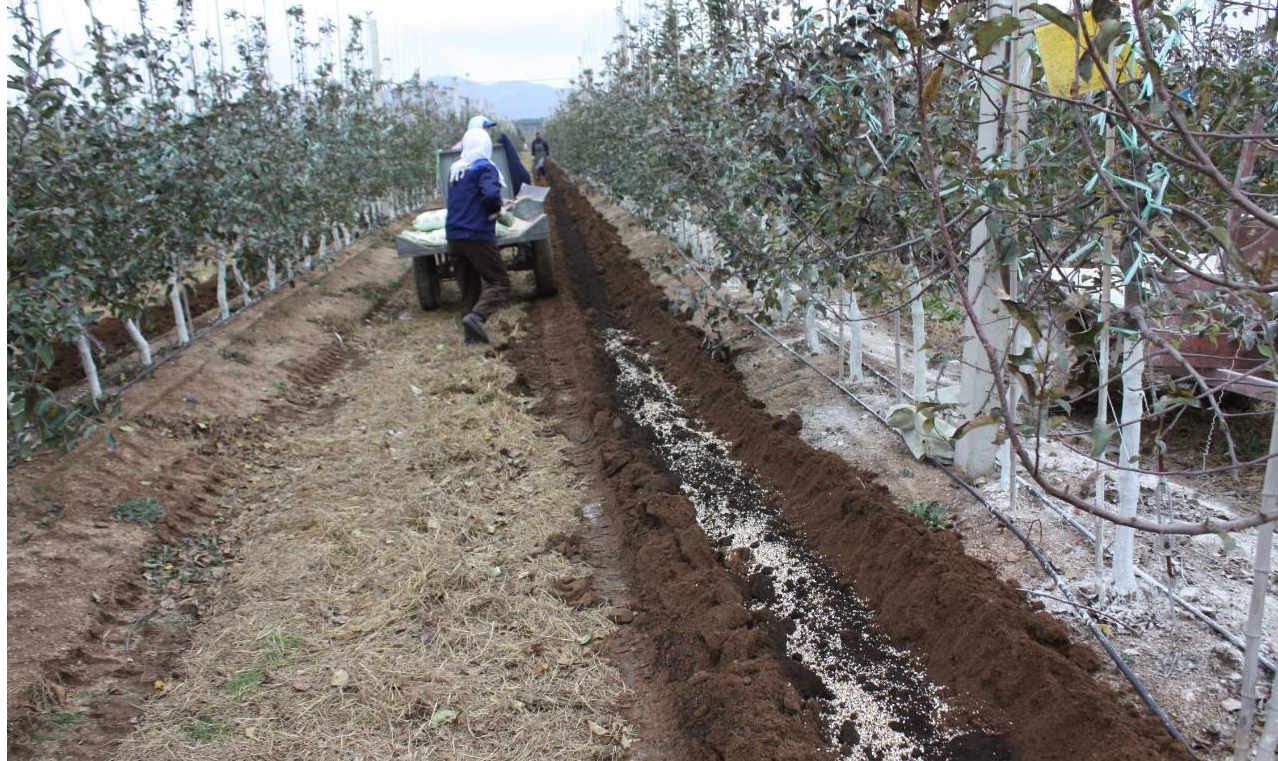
{"points": [[1086, 533], [1033, 549]]}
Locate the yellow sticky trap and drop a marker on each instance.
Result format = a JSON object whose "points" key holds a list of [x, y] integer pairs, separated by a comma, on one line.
{"points": [[1061, 52]]}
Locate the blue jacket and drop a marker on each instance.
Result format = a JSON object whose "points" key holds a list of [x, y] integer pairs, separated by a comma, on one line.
{"points": [[471, 200]]}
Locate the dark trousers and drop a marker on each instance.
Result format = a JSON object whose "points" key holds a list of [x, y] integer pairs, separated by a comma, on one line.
{"points": [[483, 280]]}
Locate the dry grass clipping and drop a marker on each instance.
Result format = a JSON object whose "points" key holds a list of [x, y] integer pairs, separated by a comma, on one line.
{"points": [[392, 599]]}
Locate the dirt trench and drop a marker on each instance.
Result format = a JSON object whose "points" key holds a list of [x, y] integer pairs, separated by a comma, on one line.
{"points": [[715, 663]]}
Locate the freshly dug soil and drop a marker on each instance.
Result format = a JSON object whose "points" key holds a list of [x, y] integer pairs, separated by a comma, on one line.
{"points": [[729, 681], [710, 676]]}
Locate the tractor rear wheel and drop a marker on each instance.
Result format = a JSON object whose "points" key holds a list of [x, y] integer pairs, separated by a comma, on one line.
{"points": [[426, 277]]}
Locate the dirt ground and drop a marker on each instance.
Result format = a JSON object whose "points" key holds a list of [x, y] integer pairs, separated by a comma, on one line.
{"points": [[397, 593], [379, 543], [1191, 670], [113, 555]]}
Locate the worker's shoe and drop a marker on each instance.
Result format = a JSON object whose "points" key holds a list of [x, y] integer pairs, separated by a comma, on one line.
{"points": [[473, 327]]}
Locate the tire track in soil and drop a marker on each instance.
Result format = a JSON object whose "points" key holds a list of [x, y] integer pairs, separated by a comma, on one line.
{"points": [[119, 678], [1003, 664]]}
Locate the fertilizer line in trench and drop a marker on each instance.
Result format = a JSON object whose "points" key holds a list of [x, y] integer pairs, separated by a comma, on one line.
{"points": [[1032, 548], [877, 702]]}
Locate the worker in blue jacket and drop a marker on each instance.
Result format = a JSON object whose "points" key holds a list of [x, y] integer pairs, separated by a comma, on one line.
{"points": [[474, 201]]}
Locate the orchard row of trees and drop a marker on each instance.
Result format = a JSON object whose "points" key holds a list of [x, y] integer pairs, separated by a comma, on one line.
{"points": [[135, 171], [1085, 208]]}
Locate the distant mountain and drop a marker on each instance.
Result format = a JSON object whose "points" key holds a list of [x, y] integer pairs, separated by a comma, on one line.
{"points": [[512, 100]]}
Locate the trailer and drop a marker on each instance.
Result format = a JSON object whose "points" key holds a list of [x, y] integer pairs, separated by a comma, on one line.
{"points": [[527, 250]]}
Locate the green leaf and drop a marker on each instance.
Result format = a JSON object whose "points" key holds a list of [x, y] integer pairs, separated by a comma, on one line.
{"points": [[442, 716], [976, 422], [1105, 36], [45, 353], [1105, 9], [1227, 542], [1025, 317], [1221, 236], [1100, 436], [988, 33], [1057, 17]]}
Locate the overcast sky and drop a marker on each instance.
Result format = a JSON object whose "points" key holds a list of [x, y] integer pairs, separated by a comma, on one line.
{"points": [[485, 40]]}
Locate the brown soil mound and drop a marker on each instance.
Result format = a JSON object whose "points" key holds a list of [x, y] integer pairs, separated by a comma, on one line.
{"points": [[976, 636], [710, 675]]}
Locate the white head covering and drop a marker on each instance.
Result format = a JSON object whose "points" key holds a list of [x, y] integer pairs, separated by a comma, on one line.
{"points": [[481, 121], [475, 145]]}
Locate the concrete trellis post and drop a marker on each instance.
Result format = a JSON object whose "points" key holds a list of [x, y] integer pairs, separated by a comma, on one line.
{"points": [[976, 451]]}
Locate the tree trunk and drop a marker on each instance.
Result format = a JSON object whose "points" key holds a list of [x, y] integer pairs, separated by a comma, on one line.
{"points": [[1102, 419], [139, 340], [856, 371], [179, 314], [271, 280], [1129, 457], [223, 306], [246, 290], [186, 311], [809, 327], [1269, 738], [917, 325], [1256, 612], [86, 362], [899, 361]]}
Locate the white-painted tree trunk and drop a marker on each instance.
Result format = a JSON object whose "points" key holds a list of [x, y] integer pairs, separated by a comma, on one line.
{"points": [[809, 327], [246, 290], [288, 270], [1102, 399], [1269, 737], [336, 238], [186, 310], [223, 305], [179, 314], [346, 235], [856, 338], [918, 326], [1133, 365], [271, 279], [899, 362], [1102, 419], [840, 307], [139, 340], [787, 301], [86, 362], [1254, 629]]}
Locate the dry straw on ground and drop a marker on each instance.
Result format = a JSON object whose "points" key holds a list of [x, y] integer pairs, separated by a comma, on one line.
{"points": [[392, 598]]}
